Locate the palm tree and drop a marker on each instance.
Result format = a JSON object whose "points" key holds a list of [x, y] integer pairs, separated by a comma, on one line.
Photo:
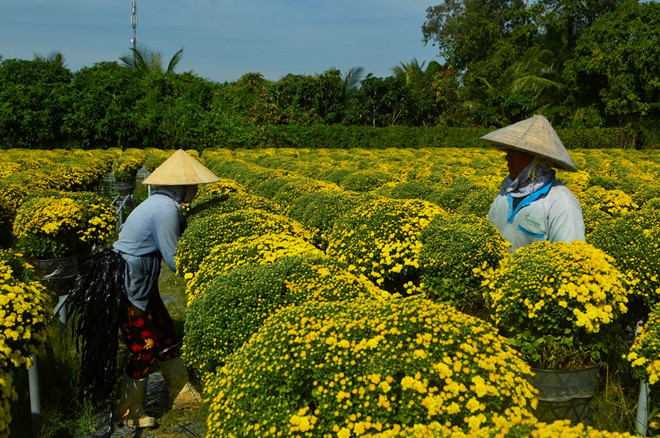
{"points": [[150, 61], [352, 80], [54, 57], [537, 74], [412, 71]]}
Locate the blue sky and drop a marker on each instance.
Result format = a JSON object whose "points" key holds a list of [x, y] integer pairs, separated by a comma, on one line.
{"points": [[224, 39]]}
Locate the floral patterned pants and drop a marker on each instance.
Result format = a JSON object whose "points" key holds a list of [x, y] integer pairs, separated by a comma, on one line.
{"points": [[149, 335]]}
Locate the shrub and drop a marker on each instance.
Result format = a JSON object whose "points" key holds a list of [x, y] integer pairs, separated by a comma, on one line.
{"points": [[365, 180], [516, 428], [7, 395], [554, 299], [461, 190], [220, 203], [263, 249], [644, 357], [633, 240], [363, 366], [24, 312], [287, 194], [53, 224], [236, 303], [417, 189], [24, 306], [126, 166], [155, 157], [456, 250], [380, 239], [203, 233], [319, 211]]}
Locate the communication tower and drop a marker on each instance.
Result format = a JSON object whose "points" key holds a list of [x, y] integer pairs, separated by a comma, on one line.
{"points": [[134, 24]]}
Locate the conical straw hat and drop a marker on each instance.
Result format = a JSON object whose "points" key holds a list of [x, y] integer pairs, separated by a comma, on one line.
{"points": [[535, 136], [180, 170]]}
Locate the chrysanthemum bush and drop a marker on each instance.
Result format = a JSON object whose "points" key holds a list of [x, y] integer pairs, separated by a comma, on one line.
{"points": [[365, 180], [633, 240], [554, 301], [380, 239], [219, 203], [465, 195], [319, 211], [126, 166], [7, 396], [204, 233], [360, 367], [516, 428], [294, 189], [457, 250], [54, 224], [236, 303], [155, 157], [599, 204], [644, 357], [259, 250], [24, 309], [644, 354]]}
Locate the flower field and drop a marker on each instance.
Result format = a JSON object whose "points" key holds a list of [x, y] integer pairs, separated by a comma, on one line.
{"points": [[363, 292]]}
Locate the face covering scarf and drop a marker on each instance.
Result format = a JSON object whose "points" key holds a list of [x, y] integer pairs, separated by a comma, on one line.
{"points": [[535, 176]]}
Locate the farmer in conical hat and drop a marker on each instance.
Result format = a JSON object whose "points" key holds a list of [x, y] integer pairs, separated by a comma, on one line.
{"points": [[533, 205], [130, 296]]}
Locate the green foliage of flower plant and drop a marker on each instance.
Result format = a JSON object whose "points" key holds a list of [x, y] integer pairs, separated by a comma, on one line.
{"points": [[644, 357], [644, 354], [457, 250], [554, 301], [633, 240], [126, 166], [465, 195], [220, 203], [237, 302], [380, 239], [319, 211], [7, 396], [204, 233], [365, 180], [599, 203], [288, 193], [23, 311], [154, 158], [53, 224], [259, 249], [507, 428], [362, 367]]}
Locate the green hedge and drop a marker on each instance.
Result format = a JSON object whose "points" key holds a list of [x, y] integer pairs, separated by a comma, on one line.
{"points": [[345, 137]]}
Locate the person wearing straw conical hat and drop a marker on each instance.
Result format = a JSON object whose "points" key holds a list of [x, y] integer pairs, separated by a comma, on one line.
{"points": [[149, 235], [533, 205]]}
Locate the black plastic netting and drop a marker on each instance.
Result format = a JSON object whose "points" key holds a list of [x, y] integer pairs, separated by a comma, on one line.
{"points": [[93, 307]]}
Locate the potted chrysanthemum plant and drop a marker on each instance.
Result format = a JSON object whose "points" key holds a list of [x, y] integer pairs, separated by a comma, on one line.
{"points": [[557, 303]]}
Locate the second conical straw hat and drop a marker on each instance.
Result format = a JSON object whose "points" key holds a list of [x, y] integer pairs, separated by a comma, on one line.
{"points": [[180, 170], [535, 136]]}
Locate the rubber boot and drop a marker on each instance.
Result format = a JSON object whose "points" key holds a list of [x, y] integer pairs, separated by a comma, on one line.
{"points": [[182, 394], [130, 410]]}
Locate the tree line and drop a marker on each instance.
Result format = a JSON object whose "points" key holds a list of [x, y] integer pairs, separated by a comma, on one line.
{"points": [[582, 63]]}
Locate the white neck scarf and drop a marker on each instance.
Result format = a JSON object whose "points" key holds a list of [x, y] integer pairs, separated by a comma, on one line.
{"points": [[536, 175]]}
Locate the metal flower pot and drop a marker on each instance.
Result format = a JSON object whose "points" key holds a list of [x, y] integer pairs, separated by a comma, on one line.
{"points": [[125, 188], [565, 394]]}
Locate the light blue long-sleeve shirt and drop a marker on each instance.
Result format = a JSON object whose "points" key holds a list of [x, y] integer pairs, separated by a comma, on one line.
{"points": [[552, 213], [150, 232]]}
